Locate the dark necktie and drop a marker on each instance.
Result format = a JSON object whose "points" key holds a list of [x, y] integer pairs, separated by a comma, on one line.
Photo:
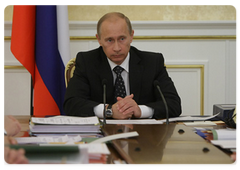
{"points": [[120, 90]]}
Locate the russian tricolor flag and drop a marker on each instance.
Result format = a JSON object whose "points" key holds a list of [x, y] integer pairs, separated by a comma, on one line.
{"points": [[40, 41]]}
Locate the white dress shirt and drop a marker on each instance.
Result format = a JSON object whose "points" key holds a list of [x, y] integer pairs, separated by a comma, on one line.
{"points": [[147, 112]]}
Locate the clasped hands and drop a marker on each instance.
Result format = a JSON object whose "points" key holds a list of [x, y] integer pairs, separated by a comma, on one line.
{"points": [[126, 108]]}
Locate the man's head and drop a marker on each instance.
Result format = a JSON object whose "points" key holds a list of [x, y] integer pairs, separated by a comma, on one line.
{"points": [[115, 34]]}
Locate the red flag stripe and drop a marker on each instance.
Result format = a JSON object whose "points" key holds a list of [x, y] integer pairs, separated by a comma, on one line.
{"points": [[23, 36], [44, 104], [28, 30]]}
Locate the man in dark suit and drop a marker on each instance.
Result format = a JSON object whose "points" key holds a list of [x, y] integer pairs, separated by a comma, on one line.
{"points": [[140, 99]]}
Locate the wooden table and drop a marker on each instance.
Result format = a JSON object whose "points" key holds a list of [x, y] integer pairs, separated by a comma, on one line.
{"points": [[156, 144], [165, 144]]}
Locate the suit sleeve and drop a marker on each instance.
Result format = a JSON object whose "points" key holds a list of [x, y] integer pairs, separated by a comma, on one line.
{"points": [[77, 98], [169, 91]]}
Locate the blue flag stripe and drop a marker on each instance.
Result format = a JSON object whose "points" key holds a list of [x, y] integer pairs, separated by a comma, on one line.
{"points": [[48, 59]]}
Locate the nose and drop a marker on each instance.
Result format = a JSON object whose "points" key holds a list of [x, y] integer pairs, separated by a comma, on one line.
{"points": [[116, 47]]}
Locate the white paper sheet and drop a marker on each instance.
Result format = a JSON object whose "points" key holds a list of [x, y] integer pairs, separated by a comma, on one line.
{"points": [[134, 121], [226, 144], [189, 118], [116, 136], [49, 139], [66, 120], [226, 134], [200, 123]]}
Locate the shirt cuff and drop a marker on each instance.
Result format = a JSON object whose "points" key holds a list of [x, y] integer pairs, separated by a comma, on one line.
{"points": [[147, 112], [98, 110]]}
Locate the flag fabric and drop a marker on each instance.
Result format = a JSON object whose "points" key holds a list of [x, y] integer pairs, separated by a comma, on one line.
{"points": [[35, 42]]}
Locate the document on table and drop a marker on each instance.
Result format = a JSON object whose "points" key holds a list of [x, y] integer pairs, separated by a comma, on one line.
{"points": [[134, 121], [225, 138], [224, 134], [50, 139], [66, 120], [116, 136], [200, 123], [64, 124], [226, 144], [190, 118]]}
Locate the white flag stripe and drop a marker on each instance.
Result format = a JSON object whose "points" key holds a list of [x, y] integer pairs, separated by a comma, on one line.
{"points": [[63, 33]]}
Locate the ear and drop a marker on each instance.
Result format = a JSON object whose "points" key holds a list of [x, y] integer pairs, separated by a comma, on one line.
{"points": [[132, 35], [98, 38]]}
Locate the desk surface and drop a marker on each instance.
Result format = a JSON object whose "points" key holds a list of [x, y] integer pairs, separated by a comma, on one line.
{"points": [[157, 144], [165, 144]]}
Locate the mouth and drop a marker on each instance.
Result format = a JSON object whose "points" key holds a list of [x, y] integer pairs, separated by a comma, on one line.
{"points": [[117, 56]]}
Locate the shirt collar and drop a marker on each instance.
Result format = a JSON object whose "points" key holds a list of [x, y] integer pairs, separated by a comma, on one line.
{"points": [[124, 64]]}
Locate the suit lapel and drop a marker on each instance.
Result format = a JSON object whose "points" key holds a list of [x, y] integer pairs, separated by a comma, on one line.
{"points": [[103, 69], [135, 74]]}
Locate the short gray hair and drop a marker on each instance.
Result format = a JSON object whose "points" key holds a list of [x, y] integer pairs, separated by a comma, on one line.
{"points": [[111, 14]]}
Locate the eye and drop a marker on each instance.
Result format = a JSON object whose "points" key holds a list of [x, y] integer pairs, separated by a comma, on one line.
{"points": [[109, 40], [122, 38]]}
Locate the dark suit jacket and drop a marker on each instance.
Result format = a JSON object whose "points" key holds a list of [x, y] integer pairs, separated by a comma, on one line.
{"points": [[85, 90]]}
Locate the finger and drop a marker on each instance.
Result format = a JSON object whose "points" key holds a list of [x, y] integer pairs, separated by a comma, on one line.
{"points": [[119, 115], [123, 107], [21, 151], [19, 126], [119, 98], [129, 96], [11, 117], [126, 97], [124, 101], [126, 116], [21, 159], [12, 141], [129, 116], [129, 104], [128, 111], [12, 156]]}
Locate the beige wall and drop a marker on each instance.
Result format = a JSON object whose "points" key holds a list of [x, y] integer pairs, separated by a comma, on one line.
{"points": [[140, 13]]}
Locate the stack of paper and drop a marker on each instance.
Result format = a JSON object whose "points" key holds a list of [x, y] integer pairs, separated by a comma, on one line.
{"points": [[64, 124], [225, 138]]}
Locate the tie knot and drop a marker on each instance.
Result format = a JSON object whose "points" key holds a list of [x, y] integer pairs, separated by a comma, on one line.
{"points": [[118, 69]]}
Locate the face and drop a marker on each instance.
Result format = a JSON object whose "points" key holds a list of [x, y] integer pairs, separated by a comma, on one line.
{"points": [[115, 39]]}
